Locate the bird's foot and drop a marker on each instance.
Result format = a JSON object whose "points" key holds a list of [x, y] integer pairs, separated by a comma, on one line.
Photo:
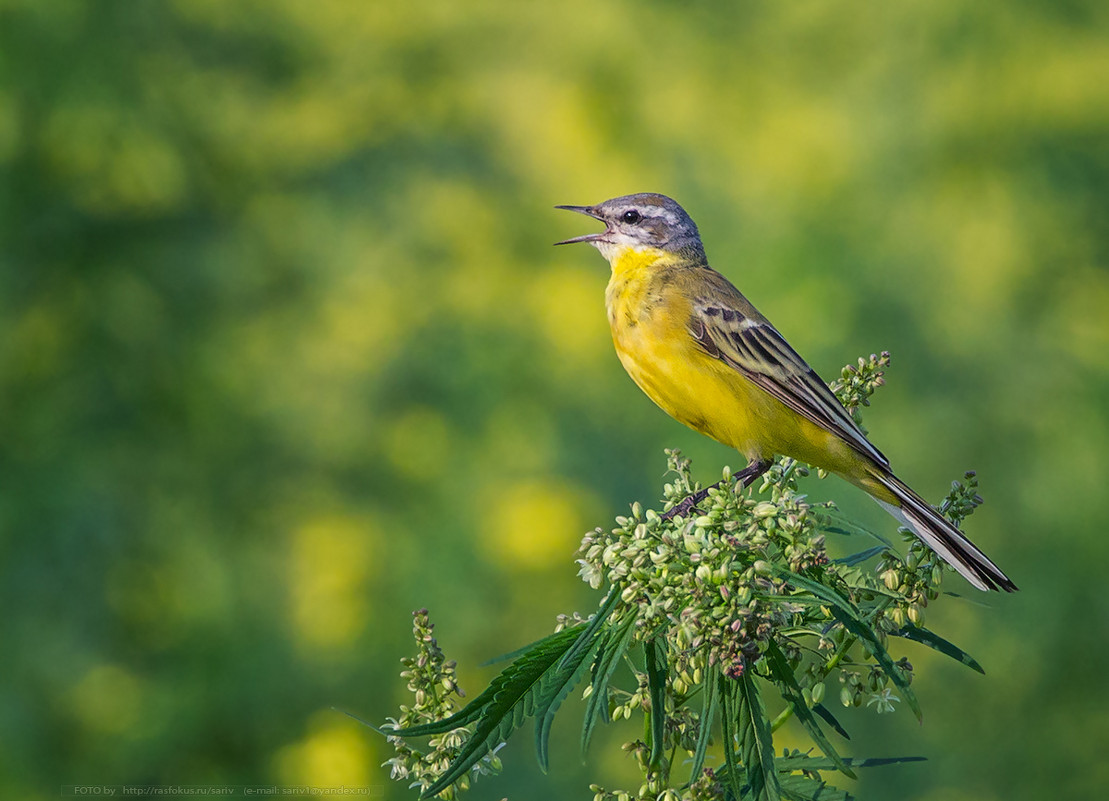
{"points": [[744, 478], [688, 503]]}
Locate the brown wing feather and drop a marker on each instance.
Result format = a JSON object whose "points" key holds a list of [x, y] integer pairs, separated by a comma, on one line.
{"points": [[742, 338]]}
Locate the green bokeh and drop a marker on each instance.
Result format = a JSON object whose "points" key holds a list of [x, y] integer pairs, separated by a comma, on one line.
{"points": [[285, 353]]}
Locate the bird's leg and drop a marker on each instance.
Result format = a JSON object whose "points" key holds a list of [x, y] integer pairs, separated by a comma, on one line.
{"points": [[753, 470], [745, 478]]}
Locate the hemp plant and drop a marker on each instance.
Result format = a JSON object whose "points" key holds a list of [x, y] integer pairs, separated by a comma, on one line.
{"points": [[710, 612]]}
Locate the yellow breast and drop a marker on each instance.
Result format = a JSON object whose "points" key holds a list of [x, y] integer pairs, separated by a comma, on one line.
{"points": [[649, 307], [650, 300]]}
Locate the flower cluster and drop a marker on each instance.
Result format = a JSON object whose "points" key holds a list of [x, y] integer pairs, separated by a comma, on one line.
{"points": [[708, 577], [432, 681], [871, 685], [856, 383]]}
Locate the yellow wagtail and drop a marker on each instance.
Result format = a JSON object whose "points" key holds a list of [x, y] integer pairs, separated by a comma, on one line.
{"points": [[709, 359]]}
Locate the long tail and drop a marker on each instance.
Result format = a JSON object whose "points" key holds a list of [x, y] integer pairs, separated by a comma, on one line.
{"points": [[942, 537]]}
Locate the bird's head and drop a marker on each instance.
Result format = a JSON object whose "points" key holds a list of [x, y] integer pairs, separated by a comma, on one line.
{"points": [[645, 221]]}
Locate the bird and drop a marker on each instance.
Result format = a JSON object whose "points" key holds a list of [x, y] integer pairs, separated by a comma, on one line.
{"points": [[704, 354]]}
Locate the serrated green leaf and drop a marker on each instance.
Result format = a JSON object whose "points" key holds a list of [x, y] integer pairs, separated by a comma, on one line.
{"points": [[512, 655], [656, 687], [870, 589], [557, 684], [861, 556], [823, 592], [799, 787], [472, 711], [756, 742], [599, 617], [808, 762], [514, 696], [936, 642], [835, 522], [857, 626], [729, 691], [467, 715], [791, 691], [830, 719], [709, 704], [608, 657]]}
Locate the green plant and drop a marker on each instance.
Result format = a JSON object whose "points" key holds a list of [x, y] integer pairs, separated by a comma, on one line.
{"points": [[707, 612]]}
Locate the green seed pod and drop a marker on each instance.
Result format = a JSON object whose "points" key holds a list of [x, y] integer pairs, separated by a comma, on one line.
{"points": [[818, 692], [764, 509], [846, 697], [916, 614]]}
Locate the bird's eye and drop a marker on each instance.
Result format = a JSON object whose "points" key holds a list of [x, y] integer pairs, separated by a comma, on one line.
{"points": [[631, 217]]}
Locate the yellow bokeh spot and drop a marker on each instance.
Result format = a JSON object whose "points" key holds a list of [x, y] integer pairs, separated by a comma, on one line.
{"points": [[535, 524], [569, 306], [480, 282], [418, 443], [330, 565], [802, 147], [336, 752], [358, 325], [107, 699], [986, 247], [545, 129]]}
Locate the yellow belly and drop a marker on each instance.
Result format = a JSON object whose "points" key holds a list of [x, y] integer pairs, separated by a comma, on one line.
{"points": [[649, 330]]}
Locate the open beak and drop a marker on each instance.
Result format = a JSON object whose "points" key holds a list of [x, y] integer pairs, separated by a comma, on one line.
{"points": [[590, 212]]}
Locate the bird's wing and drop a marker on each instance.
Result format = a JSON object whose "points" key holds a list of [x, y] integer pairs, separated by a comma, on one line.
{"points": [[741, 337]]}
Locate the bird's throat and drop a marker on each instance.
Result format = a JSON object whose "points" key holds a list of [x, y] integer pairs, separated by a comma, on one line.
{"points": [[626, 260]]}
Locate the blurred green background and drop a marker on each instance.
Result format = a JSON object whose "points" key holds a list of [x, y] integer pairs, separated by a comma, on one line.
{"points": [[286, 353]]}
